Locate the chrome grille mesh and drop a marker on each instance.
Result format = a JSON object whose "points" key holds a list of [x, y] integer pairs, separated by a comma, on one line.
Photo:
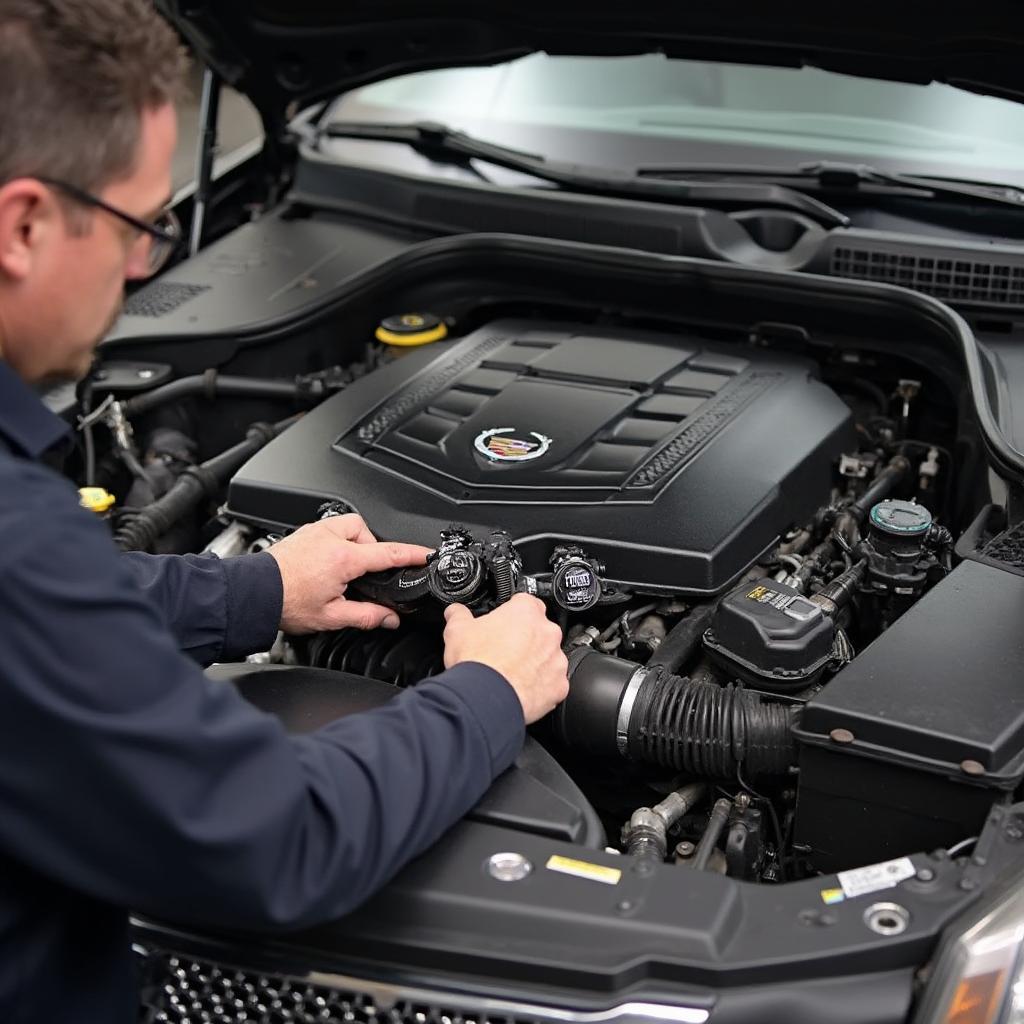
{"points": [[182, 990]]}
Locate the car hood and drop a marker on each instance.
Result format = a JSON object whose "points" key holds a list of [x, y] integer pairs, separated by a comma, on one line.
{"points": [[286, 53]]}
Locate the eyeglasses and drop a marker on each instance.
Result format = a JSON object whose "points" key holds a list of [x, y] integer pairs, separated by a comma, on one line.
{"points": [[163, 233]]}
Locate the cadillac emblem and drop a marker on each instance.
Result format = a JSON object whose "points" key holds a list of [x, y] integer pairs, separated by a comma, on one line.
{"points": [[501, 444]]}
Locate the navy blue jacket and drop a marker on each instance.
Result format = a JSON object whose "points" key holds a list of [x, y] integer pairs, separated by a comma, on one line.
{"points": [[131, 781]]}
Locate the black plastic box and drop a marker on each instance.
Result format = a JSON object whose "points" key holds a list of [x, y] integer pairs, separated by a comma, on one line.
{"points": [[908, 747]]}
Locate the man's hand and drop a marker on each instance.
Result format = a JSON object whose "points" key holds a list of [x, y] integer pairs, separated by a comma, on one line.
{"points": [[317, 562], [518, 640]]}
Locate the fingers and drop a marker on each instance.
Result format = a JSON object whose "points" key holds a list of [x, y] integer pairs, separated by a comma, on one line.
{"points": [[526, 600], [374, 555], [345, 614], [455, 613], [385, 555], [349, 527]]}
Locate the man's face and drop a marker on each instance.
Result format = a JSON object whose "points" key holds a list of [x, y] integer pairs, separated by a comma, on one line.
{"points": [[53, 316]]}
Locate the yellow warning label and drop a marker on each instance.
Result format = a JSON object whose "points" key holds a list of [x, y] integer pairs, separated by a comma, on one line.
{"points": [[757, 593], [583, 869], [832, 896]]}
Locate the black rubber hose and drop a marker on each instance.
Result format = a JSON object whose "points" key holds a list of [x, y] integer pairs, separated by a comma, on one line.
{"points": [[708, 841], [648, 714], [837, 594], [213, 385], [708, 730], [195, 484], [896, 469], [683, 639]]}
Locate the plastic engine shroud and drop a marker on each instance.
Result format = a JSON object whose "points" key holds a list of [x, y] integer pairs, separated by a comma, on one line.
{"points": [[674, 462]]}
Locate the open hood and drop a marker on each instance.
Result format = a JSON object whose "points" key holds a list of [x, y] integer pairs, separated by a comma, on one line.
{"points": [[286, 53]]}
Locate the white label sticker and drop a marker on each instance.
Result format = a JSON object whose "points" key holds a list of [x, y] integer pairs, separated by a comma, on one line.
{"points": [[876, 877]]}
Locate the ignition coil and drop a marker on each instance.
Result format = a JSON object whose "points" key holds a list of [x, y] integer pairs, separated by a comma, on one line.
{"points": [[575, 579]]}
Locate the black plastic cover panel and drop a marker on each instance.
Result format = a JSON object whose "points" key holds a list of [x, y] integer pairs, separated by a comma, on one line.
{"points": [[534, 795], [674, 462], [940, 686]]}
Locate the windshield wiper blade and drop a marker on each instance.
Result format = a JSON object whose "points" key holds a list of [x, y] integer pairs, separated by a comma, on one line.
{"points": [[437, 141], [834, 175], [838, 175]]}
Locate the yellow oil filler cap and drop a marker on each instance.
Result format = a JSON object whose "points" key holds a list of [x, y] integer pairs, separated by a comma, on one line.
{"points": [[410, 329], [96, 499]]}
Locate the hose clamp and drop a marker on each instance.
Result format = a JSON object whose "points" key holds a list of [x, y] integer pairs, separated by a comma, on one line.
{"points": [[636, 680]]}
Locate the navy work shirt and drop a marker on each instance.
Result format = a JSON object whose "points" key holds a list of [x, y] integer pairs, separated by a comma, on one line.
{"points": [[129, 780]]}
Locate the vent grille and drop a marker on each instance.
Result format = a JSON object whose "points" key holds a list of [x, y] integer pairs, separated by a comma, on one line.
{"points": [[1008, 547], [955, 280], [161, 298], [418, 394], [699, 429], [179, 989]]}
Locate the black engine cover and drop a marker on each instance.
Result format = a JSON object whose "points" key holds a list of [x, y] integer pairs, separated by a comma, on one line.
{"points": [[673, 462]]}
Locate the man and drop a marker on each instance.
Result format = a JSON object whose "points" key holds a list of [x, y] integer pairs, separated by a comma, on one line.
{"points": [[127, 778]]}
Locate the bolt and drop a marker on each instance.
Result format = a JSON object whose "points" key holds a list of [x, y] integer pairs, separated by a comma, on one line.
{"points": [[925, 875], [742, 801], [508, 867], [967, 884], [841, 736], [685, 849], [624, 906], [887, 918], [970, 767]]}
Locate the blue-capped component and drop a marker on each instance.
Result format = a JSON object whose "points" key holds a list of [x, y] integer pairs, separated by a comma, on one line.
{"points": [[901, 518]]}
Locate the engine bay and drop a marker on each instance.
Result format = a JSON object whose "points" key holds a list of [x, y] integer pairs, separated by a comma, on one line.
{"points": [[731, 525]]}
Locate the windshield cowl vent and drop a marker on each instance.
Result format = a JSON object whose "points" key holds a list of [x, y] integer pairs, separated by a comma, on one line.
{"points": [[952, 280]]}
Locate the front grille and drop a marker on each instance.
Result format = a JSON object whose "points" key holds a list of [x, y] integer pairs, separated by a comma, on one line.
{"points": [[180, 989], [185, 991], [953, 280]]}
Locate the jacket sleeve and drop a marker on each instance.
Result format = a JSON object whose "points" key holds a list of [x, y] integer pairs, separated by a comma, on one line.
{"points": [[132, 777], [217, 609]]}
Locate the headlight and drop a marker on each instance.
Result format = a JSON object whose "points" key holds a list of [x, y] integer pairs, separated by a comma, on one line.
{"points": [[979, 975]]}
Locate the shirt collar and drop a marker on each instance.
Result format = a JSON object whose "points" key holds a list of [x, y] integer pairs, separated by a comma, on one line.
{"points": [[24, 421]]}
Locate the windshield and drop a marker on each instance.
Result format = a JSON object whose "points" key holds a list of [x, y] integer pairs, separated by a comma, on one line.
{"points": [[689, 112]]}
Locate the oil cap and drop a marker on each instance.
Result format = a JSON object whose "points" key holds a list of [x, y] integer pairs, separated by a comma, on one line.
{"points": [[406, 330], [96, 499]]}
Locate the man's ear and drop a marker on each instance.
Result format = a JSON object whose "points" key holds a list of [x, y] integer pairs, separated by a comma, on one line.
{"points": [[29, 216]]}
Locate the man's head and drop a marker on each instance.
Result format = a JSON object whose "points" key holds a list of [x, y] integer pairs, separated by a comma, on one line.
{"points": [[86, 99]]}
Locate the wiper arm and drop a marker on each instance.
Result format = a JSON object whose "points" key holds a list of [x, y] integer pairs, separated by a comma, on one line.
{"points": [[831, 174], [834, 175], [437, 141]]}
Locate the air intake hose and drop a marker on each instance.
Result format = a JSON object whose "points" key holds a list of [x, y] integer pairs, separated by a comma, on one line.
{"points": [[648, 714]]}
